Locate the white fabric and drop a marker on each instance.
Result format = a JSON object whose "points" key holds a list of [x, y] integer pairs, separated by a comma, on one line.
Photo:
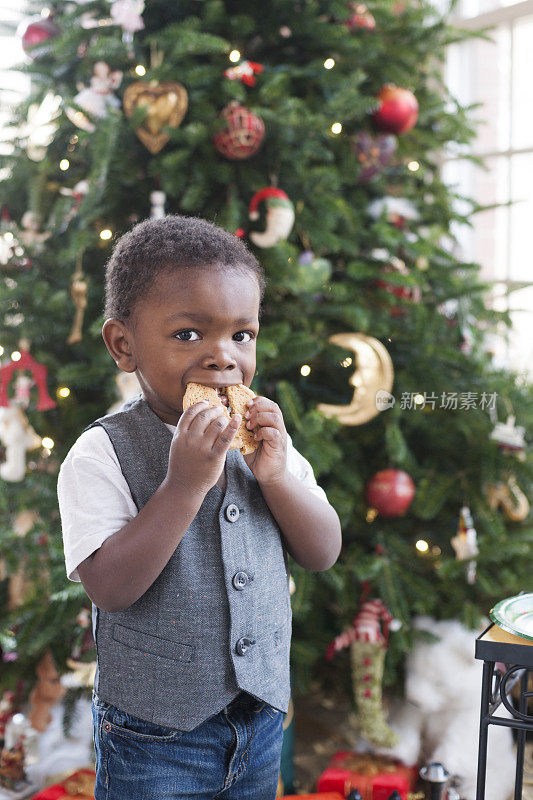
{"points": [[95, 501]]}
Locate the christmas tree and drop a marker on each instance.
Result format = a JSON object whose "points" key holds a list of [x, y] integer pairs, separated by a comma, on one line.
{"points": [[314, 130]]}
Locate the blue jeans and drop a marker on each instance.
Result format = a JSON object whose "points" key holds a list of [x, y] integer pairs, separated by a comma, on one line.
{"points": [[233, 755]]}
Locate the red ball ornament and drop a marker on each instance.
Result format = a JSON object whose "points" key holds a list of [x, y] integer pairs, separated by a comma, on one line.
{"points": [[242, 134], [390, 492], [36, 31], [398, 112]]}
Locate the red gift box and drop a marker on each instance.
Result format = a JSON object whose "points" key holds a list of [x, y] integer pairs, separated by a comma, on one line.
{"points": [[80, 785], [375, 777]]}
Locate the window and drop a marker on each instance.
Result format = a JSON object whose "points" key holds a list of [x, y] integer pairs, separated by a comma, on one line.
{"points": [[497, 75], [13, 84]]}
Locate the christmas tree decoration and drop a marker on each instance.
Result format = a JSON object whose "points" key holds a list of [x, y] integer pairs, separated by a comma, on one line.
{"points": [[360, 18], [19, 583], [165, 104], [398, 111], [78, 293], [279, 216], [368, 639], [398, 210], [30, 235], [508, 496], [311, 273], [12, 774], [157, 200], [390, 492], [241, 134], [98, 97], [41, 125], [17, 436], [374, 152], [38, 372], [127, 14], [465, 543], [509, 437], [35, 34], [19, 732], [244, 72], [410, 294], [368, 776], [80, 190], [372, 379]]}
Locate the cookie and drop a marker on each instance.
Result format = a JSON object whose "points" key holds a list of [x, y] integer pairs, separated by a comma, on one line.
{"points": [[237, 397]]}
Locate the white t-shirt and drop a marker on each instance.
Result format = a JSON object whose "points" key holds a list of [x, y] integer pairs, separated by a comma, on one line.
{"points": [[95, 500]]}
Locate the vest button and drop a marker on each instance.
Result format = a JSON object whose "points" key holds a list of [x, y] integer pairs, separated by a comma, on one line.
{"points": [[240, 580], [243, 645], [232, 513]]}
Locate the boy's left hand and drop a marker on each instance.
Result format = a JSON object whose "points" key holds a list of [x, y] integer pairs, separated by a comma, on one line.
{"points": [[268, 462]]}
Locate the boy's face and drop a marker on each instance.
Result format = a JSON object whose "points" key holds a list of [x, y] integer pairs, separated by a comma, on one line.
{"points": [[196, 327]]}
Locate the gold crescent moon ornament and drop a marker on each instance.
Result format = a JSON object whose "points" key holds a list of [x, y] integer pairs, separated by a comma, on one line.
{"points": [[165, 102], [372, 380]]}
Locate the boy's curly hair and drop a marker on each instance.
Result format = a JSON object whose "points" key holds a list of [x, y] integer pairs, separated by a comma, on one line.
{"points": [[173, 242]]}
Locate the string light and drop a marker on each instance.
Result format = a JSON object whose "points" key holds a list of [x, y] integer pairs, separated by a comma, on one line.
{"points": [[47, 442], [15, 356], [63, 391], [329, 63], [346, 362], [64, 164], [106, 234], [336, 127], [140, 70], [418, 399], [234, 56], [413, 166], [371, 514], [305, 370], [422, 546]]}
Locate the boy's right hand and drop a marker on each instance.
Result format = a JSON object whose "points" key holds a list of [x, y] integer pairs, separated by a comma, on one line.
{"points": [[199, 447]]}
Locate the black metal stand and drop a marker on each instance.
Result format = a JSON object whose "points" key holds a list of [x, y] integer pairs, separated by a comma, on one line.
{"points": [[494, 646]]}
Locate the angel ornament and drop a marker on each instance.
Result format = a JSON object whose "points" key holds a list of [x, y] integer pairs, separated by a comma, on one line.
{"points": [[98, 97], [17, 436]]}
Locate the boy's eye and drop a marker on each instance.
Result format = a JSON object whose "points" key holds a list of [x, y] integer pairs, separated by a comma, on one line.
{"points": [[187, 336], [243, 336]]}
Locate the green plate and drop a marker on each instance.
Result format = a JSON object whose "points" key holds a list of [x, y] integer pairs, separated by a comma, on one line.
{"points": [[515, 615]]}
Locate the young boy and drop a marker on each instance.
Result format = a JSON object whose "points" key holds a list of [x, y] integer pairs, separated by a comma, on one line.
{"points": [[181, 543]]}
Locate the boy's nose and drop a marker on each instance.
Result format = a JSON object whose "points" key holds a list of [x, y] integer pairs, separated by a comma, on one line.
{"points": [[220, 360]]}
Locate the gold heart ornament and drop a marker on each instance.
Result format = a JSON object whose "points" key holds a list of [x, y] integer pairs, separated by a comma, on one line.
{"points": [[165, 104]]}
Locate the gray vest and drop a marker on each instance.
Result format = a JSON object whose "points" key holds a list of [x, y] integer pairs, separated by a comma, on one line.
{"points": [[217, 620]]}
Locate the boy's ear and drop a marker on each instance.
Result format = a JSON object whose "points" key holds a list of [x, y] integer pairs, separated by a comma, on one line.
{"points": [[117, 340]]}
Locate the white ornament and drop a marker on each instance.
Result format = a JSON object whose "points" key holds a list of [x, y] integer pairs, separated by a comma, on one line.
{"points": [[127, 14], [157, 200], [17, 436], [397, 209], [30, 236], [98, 97], [279, 217]]}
